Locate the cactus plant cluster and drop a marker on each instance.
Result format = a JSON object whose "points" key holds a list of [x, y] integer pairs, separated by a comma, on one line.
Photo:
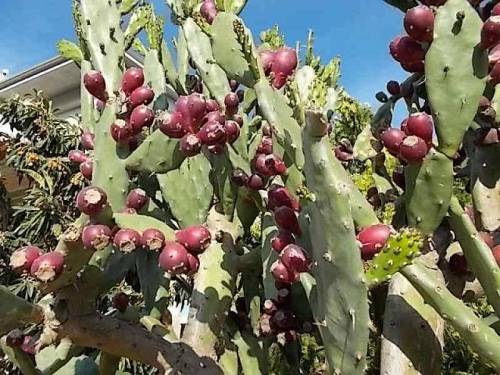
{"points": [[217, 171]]}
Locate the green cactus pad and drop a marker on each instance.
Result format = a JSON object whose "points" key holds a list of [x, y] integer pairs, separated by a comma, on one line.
{"points": [[154, 75], [126, 6], [221, 179], [21, 359], [364, 146], [86, 101], [234, 6], [15, 311], [140, 223], [455, 70], [137, 22], [400, 250], [70, 51]]}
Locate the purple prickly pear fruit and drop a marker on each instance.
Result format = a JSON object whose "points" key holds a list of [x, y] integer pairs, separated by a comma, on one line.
{"points": [[195, 238], [137, 198], [238, 119], [295, 258], [121, 131], [172, 125], [275, 164], [282, 240], [495, 11], [404, 126], [269, 307], [267, 60], [120, 301], [193, 108], [152, 239], [419, 23], [342, 154], [232, 102], [398, 176], [239, 177], [267, 130], [393, 88], [77, 156], [29, 345], [217, 149], [406, 50], [495, 73], [94, 82], [215, 116], [372, 239], [281, 273], [208, 11], [212, 106], [265, 146], [15, 338], [259, 164], [241, 95], [414, 67], [141, 96], [87, 140], [141, 117], [174, 258], [490, 33], [86, 169], [392, 139], [285, 61], [287, 220], [255, 182], [190, 145], [212, 133], [22, 259], [435, 3], [279, 80], [496, 254], [488, 239], [233, 84], [132, 79], [232, 131], [127, 240], [278, 196], [413, 149], [193, 264], [458, 265], [421, 125], [284, 319], [96, 237], [91, 200], [48, 266]]}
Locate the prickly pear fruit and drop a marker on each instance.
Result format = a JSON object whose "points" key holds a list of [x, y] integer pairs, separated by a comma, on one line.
{"points": [[192, 108], [121, 131], [173, 126], [413, 149], [47, 267], [212, 133], [285, 61], [29, 345], [86, 169], [496, 254], [419, 23], [266, 146], [421, 125], [94, 82], [214, 116], [255, 182], [458, 264], [495, 74], [414, 67], [232, 131], [193, 264], [269, 307], [190, 145], [238, 119], [295, 258], [278, 196], [281, 273], [282, 240], [77, 156], [195, 238], [137, 198], [208, 11], [133, 78], [22, 259], [372, 239], [490, 34], [283, 319], [287, 220], [91, 200], [488, 239], [96, 236], [231, 101], [174, 258], [211, 105], [275, 164], [141, 117], [15, 338], [141, 96], [266, 59], [127, 240], [392, 139], [239, 177], [406, 50], [87, 140], [120, 301], [393, 88], [152, 239]]}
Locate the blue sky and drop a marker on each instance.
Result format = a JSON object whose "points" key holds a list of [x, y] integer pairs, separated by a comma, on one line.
{"points": [[356, 30]]}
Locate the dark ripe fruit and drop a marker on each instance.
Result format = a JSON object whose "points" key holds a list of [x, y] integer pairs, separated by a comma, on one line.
{"points": [[152, 239], [255, 182], [458, 264], [393, 88], [96, 237], [259, 164], [342, 154], [195, 238], [488, 239], [267, 130], [414, 67], [217, 149], [193, 108], [392, 139], [215, 116], [127, 240], [141, 96], [281, 273], [174, 258], [406, 50], [285, 61], [282, 240], [241, 95], [404, 126], [278, 196], [283, 295], [212, 133], [420, 125], [238, 119], [94, 82], [419, 23], [47, 266], [133, 78], [398, 176], [15, 338], [239, 177], [29, 345], [172, 125], [190, 145], [267, 60], [208, 11], [495, 11], [91, 200], [494, 55], [495, 73], [269, 307], [22, 259], [137, 198], [490, 33], [287, 220], [193, 264], [77, 156], [295, 258], [233, 84], [265, 146], [232, 131], [87, 140], [121, 131], [265, 326], [231, 101], [86, 169], [496, 254], [484, 104], [284, 319], [381, 97], [141, 117], [212, 106], [279, 80], [120, 301], [99, 104], [372, 239], [275, 164], [413, 149]]}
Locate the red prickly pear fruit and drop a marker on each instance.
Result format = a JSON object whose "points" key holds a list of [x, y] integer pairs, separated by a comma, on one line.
{"points": [[265, 146], [414, 67], [94, 82], [91, 200], [96, 237], [87, 140], [267, 130], [121, 131], [275, 164], [496, 254], [393, 88], [458, 264], [269, 307], [120, 301], [239, 177], [392, 139], [22, 259], [141, 117], [406, 50], [172, 125], [137, 198], [217, 149], [132, 79], [287, 220], [232, 131], [490, 33], [141, 96], [285, 61], [495, 11], [372, 239], [29, 345], [398, 176], [208, 11], [174, 258], [238, 119], [278, 196], [404, 126], [233, 84], [284, 319], [48, 266], [495, 74], [413, 149], [488, 239], [77, 156], [212, 106], [212, 133], [295, 258], [435, 3], [255, 182], [279, 80], [152, 239], [267, 60], [231, 101], [281, 273], [193, 108], [259, 164], [127, 240], [421, 125], [214, 116], [190, 145], [282, 240], [86, 169], [193, 264], [419, 23], [15, 338], [195, 238]]}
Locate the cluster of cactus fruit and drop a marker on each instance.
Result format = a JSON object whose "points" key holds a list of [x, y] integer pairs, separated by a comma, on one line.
{"points": [[182, 176]]}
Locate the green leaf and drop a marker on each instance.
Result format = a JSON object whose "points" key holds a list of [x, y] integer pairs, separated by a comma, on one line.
{"points": [[70, 51]]}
